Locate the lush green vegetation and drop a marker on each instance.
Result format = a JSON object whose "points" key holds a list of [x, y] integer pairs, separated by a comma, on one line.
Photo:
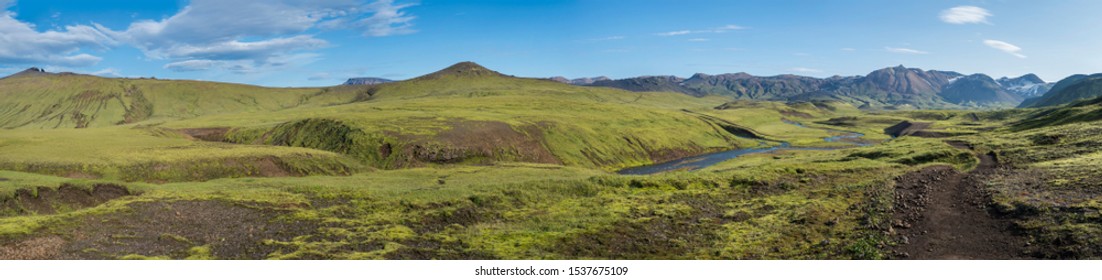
{"points": [[467, 163]]}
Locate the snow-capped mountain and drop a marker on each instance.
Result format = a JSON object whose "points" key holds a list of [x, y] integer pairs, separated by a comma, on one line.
{"points": [[1027, 86]]}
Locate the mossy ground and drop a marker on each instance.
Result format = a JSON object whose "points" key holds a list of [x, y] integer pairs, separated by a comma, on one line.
{"points": [[449, 167]]}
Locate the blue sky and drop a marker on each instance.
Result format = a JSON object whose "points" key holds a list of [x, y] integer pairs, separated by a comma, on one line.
{"points": [[324, 42]]}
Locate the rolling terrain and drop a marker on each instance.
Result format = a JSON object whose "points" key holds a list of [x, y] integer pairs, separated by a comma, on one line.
{"points": [[469, 163]]}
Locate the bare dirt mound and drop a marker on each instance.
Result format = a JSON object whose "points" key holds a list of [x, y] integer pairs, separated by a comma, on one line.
{"points": [[906, 128], [484, 139], [45, 201], [212, 134], [41, 248], [164, 229], [942, 214], [918, 129]]}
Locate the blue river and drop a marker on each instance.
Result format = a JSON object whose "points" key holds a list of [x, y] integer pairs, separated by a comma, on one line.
{"points": [[706, 160]]}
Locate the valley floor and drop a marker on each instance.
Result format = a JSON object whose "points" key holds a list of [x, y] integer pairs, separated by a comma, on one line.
{"points": [[985, 189]]}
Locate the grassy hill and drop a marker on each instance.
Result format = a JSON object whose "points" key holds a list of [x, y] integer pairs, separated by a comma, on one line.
{"points": [[468, 114], [48, 100], [464, 114]]}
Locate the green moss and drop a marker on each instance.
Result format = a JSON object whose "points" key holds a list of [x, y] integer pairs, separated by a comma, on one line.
{"points": [[200, 253]]}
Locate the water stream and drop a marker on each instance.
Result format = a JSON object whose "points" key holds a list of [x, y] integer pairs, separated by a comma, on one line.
{"points": [[706, 160]]}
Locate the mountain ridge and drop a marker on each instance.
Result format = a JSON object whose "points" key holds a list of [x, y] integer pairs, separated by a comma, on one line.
{"points": [[1069, 90], [889, 87]]}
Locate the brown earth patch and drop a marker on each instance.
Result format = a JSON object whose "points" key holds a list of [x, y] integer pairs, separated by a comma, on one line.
{"points": [[81, 175], [484, 139], [212, 134], [264, 167], [665, 155], [797, 114], [40, 248], [45, 201], [919, 129], [169, 229], [841, 121], [906, 128], [944, 214], [655, 155]]}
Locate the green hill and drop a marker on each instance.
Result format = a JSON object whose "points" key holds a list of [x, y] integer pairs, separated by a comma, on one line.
{"points": [[34, 99], [465, 114], [469, 114]]}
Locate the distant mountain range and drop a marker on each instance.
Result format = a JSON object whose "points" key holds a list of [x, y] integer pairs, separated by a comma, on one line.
{"points": [[580, 81], [888, 88], [1068, 90], [366, 81]]}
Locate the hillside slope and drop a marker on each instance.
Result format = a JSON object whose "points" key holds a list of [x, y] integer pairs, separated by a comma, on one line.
{"points": [[36, 99], [470, 114]]}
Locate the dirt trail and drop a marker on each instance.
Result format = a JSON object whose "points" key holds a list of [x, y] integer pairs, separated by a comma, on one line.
{"points": [[942, 214]]}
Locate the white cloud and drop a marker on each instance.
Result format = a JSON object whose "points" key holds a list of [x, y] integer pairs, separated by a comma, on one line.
{"points": [[387, 19], [729, 27], [21, 44], [108, 72], [904, 50], [965, 15], [675, 33], [806, 70], [191, 65], [1005, 47], [237, 50], [699, 40], [721, 29], [238, 35], [242, 66], [609, 38], [848, 49], [210, 34]]}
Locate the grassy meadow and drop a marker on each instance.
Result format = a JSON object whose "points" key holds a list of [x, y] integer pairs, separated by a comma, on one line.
{"points": [[470, 164]]}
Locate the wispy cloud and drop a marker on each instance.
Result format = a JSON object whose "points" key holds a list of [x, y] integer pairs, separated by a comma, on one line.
{"points": [[848, 49], [699, 40], [21, 44], [609, 38], [675, 33], [729, 27], [965, 15], [904, 50], [1005, 47], [108, 72], [721, 29], [214, 34], [806, 70]]}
